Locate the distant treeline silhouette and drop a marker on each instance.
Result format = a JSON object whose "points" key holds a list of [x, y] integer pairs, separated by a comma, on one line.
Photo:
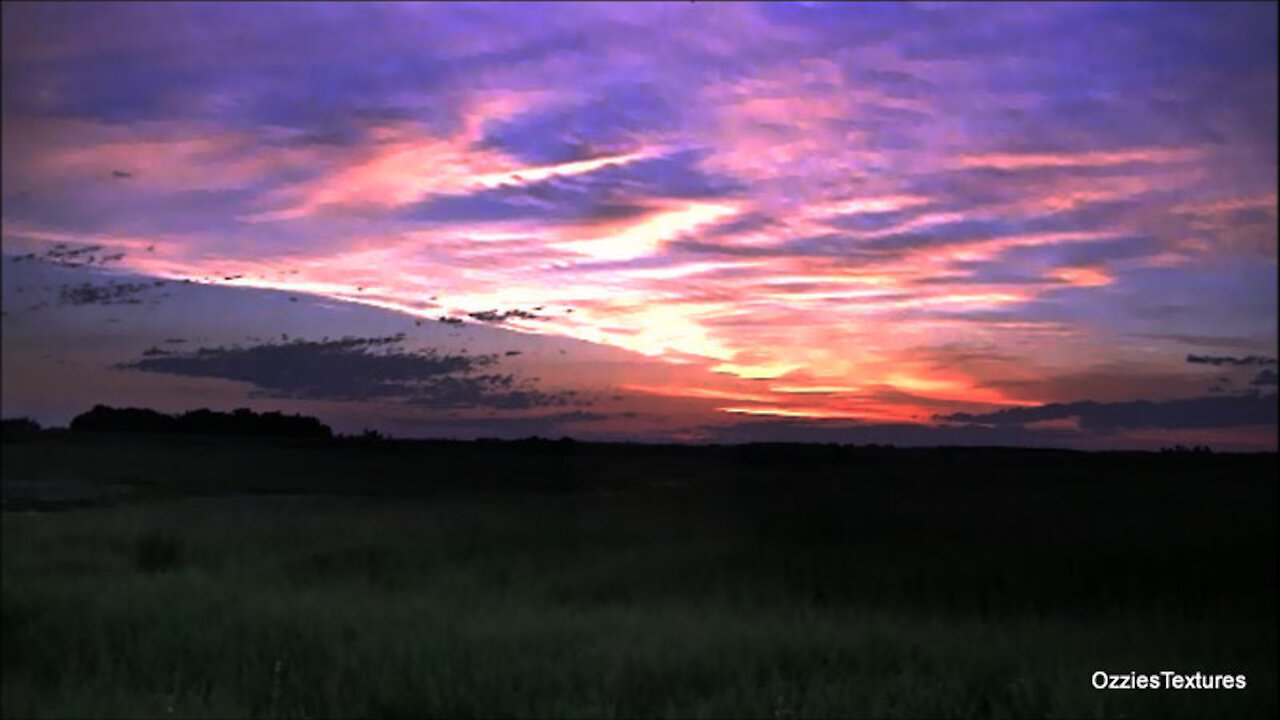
{"points": [[240, 422], [17, 427]]}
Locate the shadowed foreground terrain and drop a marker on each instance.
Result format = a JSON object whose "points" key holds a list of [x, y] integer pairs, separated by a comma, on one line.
{"points": [[199, 576]]}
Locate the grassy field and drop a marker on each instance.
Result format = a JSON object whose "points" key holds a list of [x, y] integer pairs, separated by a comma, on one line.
{"points": [[188, 577]]}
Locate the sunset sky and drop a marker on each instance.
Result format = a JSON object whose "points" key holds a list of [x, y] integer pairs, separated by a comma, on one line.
{"points": [[919, 223]]}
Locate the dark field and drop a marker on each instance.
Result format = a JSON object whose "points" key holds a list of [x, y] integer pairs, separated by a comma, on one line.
{"points": [[190, 577]]}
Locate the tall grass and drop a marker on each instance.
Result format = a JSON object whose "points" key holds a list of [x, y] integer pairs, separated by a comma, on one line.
{"points": [[909, 598]]}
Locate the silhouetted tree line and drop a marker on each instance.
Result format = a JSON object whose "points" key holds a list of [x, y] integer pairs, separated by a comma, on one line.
{"points": [[17, 427], [772, 453], [1180, 448], [368, 437], [240, 422], [535, 444]]}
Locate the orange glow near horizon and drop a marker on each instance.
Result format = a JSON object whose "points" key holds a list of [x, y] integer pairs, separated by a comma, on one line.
{"points": [[801, 211]]}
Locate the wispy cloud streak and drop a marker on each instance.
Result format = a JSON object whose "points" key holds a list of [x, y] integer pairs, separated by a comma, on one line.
{"points": [[760, 196]]}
